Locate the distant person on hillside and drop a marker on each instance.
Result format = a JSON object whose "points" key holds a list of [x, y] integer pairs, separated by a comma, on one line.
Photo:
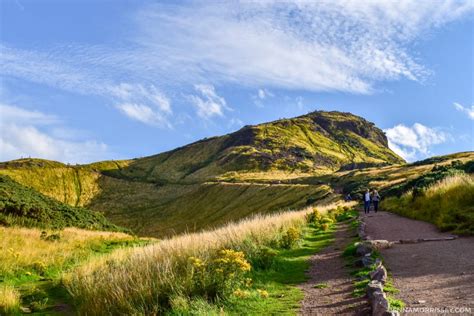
{"points": [[375, 200], [348, 197], [367, 202]]}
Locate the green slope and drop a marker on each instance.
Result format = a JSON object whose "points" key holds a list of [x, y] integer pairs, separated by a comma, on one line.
{"points": [[284, 164], [20, 205], [319, 141]]}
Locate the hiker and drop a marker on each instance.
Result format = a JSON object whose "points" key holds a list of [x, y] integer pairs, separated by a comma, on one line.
{"points": [[348, 197], [367, 202], [375, 200]]}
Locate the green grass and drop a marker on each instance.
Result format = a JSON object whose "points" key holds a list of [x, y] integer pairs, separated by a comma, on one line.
{"points": [[449, 204], [280, 281]]}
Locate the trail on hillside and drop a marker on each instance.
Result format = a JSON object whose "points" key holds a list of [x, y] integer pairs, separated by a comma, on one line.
{"points": [[435, 274], [329, 289]]}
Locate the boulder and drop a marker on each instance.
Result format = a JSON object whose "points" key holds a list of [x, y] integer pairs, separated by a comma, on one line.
{"points": [[362, 249], [379, 274], [372, 288], [379, 304], [379, 244]]}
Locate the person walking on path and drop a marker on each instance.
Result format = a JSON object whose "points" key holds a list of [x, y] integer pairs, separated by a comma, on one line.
{"points": [[375, 200], [367, 202]]}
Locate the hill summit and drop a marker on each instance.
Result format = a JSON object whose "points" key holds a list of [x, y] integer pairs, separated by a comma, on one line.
{"points": [[318, 141], [285, 164]]}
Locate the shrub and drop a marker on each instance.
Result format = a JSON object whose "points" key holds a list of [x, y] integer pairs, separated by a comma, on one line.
{"points": [[220, 275], [264, 258], [313, 217], [290, 238]]}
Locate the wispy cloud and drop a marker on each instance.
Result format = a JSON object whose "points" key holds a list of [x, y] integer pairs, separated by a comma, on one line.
{"points": [[465, 109], [208, 103], [319, 46], [26, 133], [414, 142]]}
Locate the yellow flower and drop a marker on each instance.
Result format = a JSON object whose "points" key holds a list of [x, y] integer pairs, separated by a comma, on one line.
{"points": [[263, 293], [241, 294]]}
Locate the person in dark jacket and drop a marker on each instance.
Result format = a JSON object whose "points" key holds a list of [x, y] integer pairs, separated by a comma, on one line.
{"points": [[375, 200]]}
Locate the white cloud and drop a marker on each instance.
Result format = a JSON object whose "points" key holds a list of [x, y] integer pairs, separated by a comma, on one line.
{"points": [[9, 113], [468, 111], [319, 46], [209, 104], [143, 113], [415, 141], [264, 93], [23, 134]]}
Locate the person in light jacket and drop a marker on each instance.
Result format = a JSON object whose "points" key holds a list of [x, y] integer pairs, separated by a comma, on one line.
{"points": [[367, 202], [375, 200]]}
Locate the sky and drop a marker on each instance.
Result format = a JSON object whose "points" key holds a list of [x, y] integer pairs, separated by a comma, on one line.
{"points": [[83, 81]]}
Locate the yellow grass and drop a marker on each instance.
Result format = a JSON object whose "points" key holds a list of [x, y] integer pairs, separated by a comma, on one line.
{"points": [[141, 280], [23, 249], [449, 204], [449, 183], [9, 300]]}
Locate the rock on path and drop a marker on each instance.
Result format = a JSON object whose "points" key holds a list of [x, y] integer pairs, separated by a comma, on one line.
{"points": [[328, 268], [435, 274]]}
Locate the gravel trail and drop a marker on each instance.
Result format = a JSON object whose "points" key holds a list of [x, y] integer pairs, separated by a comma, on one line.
{"points": [[436, 274], [329, 271]]}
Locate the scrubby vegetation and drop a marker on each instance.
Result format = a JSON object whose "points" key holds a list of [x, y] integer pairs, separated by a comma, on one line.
{"points": [[448, 203], [23, 206], [215, 268]]}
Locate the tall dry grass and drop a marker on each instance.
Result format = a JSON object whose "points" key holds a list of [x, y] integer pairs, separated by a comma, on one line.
{"points": [[25, 251], [146, 280], [9, 300], [449, 204]]}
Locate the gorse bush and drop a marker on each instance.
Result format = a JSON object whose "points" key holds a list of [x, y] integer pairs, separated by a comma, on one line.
{"points": [[218, 276], [290, 238]]}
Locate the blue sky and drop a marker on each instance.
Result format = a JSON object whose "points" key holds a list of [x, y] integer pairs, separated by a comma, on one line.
{"points": [[89, 80]]}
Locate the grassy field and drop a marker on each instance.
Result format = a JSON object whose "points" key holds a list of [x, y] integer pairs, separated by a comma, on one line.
{"points": [[204, 271], [33, 261], [449, 204]]}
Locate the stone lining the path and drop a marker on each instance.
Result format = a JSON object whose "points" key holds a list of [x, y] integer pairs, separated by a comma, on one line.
{"points": [[375, 293]]}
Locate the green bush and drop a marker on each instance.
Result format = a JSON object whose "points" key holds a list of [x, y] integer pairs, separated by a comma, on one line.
{"points": [[290, 238]]}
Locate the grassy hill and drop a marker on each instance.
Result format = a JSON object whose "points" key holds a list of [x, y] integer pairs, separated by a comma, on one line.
{"points": [[317, 142], [285, 164]]}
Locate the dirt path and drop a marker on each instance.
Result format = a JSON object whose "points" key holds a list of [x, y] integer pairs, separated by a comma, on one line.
{"points": [[328, 269], [436, 274]]}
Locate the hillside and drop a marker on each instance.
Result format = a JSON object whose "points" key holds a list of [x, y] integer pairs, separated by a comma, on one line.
{"points": [[20, 205], [280, 165], [317, 142]]}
